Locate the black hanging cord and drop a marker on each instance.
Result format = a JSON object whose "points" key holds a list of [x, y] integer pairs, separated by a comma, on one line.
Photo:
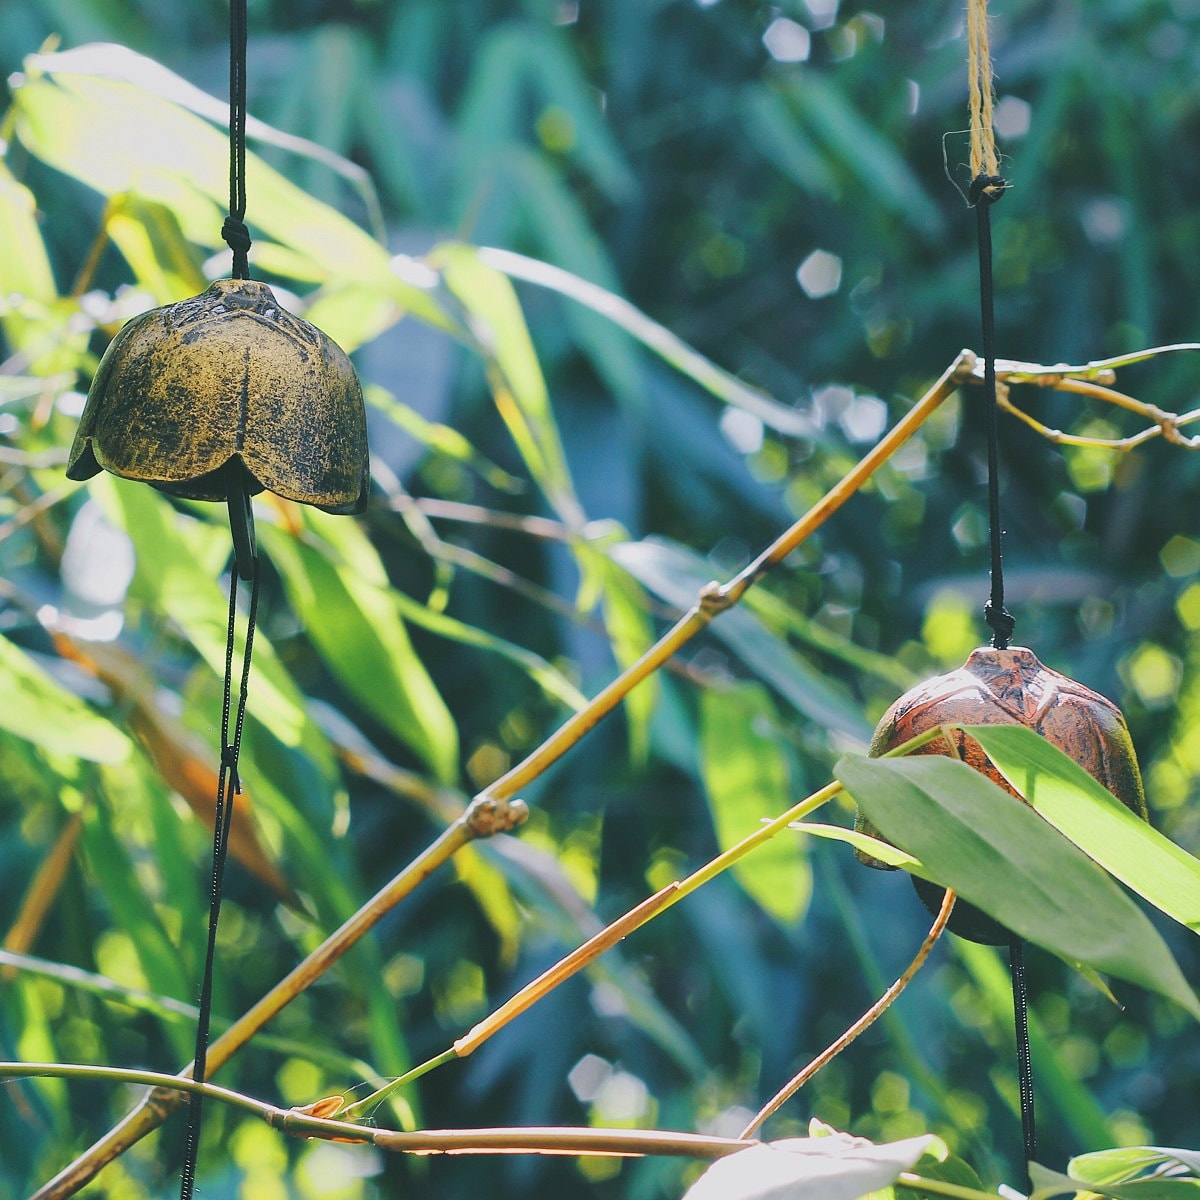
{"points": [[228, 786], [241, 522], [1016, 963], [234, 231], [985, 191]]}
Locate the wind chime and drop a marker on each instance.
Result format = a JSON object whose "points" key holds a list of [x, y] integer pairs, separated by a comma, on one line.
{"points": [[1001, 683], [220, 397]]}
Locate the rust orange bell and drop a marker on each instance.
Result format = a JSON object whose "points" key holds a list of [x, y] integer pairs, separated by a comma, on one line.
{"points": [[223, 395], [1009, 687]]}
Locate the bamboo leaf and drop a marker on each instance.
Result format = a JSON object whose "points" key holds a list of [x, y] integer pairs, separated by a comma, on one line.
{"points": [[514, 373], [884, 851], [1128, 1162], [24, 264], [440, 438], [67, 106], [1091, 816], [998, 854], [834, 1167], [178, 564], [551, 680], [40, 710], [349, 617], [1047, 1183], [746, 775], [149, 237], [654, 337], [676, 574]]}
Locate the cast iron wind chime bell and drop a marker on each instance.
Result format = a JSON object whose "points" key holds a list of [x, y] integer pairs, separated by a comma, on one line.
{"points": [[220, 397], [1001, 683]]}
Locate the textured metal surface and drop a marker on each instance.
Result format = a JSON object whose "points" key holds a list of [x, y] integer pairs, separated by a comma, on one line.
{"points": [[1010, 687], [222, 377]]}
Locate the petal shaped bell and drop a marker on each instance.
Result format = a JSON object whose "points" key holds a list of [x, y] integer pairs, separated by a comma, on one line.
{"points": [[187, 393], [1007, 687]]}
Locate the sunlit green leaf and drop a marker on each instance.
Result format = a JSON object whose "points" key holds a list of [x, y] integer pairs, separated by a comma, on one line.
{"points": [[68, 105], [24, 265], [551, 680], [1128, 1162], [178, 563], [1047, 1183], [349, 616], [439, 438], [884, 851], [746, 776], [149, 237], [43, 712], [998, 854], [655, 337], [1099, 824], [516, 376]]}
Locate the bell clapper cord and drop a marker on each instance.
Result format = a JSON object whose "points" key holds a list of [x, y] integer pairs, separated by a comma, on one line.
{"points": [[987, 186], [241, 524]]}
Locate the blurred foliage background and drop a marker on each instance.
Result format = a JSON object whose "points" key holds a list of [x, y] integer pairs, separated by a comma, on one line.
{"points": [[769, 182]]}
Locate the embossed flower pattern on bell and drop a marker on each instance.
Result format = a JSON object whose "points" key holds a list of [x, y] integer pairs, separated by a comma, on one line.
{"points": [[1007, 687]]}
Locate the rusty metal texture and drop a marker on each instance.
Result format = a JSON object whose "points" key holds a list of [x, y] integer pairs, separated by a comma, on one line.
{"points": [[1007, 687], [227, 376]]}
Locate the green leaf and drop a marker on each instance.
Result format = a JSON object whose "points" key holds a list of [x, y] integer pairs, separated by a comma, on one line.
{"points": [[149, 237], [1047, 1183], [630, 631], [833, 1167], [1085, 811], [549, 678], [655, 337], [178, 563], [884, 851], [67, 106], [677, 574], [862, 151], [998, 854], [40, 710], [514, 373], [773, 130], [350, 617], [746, 775], [24, 264], [440, 438], [32, 317], [1128, 1162]]}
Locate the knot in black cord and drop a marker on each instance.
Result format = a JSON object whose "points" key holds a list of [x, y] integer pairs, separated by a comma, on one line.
{"points": [[237, 238], [1001, 622], [986, 188], [229, 761]]}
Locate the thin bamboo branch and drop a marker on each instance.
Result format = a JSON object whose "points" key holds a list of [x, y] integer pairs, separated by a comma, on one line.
{"points": [[516, 1139], [715, 598], [556, 1140], [863, 1023], [482, 819]]}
